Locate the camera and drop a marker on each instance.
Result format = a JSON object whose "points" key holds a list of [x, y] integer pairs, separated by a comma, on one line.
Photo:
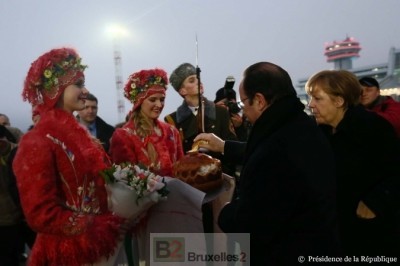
{"points": [[229, 82], [233, 107], [230, 96]]}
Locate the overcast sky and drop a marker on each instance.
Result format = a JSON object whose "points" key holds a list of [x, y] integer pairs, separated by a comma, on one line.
{"points": [[231, 35]]}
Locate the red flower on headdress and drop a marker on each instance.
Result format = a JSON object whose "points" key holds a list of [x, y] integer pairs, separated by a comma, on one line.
{"points": [[50, 74], [140, 82]]}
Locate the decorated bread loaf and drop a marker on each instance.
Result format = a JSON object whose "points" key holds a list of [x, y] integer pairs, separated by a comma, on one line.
{"points": [[200, 171]]}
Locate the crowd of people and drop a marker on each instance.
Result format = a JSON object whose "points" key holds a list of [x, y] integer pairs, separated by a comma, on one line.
{"points": [[321, 185]]}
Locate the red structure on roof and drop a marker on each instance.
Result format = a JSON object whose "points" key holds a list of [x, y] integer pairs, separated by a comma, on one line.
{"points": [[342, 52]]}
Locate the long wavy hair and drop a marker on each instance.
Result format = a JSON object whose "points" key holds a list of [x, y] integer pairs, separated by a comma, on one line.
{"points": [[144, 127]]}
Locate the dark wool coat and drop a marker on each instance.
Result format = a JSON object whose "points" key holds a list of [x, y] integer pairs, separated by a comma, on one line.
{"points": [[104, 132], [367, 159], [287, 191]]}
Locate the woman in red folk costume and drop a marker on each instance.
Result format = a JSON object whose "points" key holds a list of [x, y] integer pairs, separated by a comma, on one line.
{"points": [[145, 139], [57, 167]]}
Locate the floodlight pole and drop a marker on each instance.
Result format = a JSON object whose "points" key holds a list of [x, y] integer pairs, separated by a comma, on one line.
{"points": [[119, 79]]}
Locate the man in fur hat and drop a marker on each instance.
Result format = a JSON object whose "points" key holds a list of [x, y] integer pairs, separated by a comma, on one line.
{"points": [[216, 119]]}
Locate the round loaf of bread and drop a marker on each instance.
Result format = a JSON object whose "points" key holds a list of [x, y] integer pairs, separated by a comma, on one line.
{"points": [[200, 171]]}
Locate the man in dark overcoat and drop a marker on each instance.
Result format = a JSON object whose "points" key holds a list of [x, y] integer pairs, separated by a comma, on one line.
{"points": [[287, 206]]}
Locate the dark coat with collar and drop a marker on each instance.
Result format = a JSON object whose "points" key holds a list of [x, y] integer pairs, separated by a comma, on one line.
{"points": [[287, 191], [104, 132], [367, 160]]}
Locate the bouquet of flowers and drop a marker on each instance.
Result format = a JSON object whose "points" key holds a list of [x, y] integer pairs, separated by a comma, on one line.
{"points": [[132, 189]]}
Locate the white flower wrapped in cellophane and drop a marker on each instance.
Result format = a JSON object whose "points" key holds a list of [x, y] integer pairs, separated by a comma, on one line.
{"points": [[132, 189]]}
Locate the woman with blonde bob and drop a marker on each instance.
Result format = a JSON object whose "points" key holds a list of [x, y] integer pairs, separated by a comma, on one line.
{"points": [[366, 154]]}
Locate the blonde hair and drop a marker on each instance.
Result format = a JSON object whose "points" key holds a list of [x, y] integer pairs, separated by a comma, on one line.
{"points": [[339, 83], [144, 127]]}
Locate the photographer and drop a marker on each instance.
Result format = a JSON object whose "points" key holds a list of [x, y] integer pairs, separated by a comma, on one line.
{"points": [[226, 97]]}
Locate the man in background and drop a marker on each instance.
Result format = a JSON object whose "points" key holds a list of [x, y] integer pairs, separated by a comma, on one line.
{"points": [[4, 120], [16, 132], [97, 127], [226, 97], [215, 119], [14, 231], [384, 106]]}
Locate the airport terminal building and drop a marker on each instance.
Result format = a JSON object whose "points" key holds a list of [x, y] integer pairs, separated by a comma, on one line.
{"points": [[342, 54]]}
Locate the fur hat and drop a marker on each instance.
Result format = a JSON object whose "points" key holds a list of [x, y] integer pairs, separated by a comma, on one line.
{"points": [[369, 82], [50, 74], [180, 74], [144, 83]]}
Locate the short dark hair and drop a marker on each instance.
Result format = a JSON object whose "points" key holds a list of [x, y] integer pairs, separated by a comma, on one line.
{"points": [[272, 81], [91, 97]]}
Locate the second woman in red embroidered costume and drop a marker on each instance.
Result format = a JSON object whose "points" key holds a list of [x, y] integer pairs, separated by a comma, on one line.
{"points": [[144, 138]]}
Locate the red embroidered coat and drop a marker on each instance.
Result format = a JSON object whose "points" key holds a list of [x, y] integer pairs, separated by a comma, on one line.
{"points": [[62, 194], [127, 146]]}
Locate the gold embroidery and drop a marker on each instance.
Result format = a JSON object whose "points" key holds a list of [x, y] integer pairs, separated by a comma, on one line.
{"points": [[84, 200]]}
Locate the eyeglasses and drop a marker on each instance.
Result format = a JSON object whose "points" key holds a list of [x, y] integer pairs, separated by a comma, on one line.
{"points": [[241, 103]]}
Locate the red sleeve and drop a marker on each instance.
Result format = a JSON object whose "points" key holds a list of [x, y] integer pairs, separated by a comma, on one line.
{"points": [[391, 113], [122, 147], [65, 236]]}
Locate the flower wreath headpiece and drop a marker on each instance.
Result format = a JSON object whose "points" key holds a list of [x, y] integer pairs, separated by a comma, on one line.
{"points": [[144, 83], [50, 74]]}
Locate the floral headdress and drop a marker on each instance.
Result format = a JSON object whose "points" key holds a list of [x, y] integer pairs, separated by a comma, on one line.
{"points": [[144, 83], [50, 74]]}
